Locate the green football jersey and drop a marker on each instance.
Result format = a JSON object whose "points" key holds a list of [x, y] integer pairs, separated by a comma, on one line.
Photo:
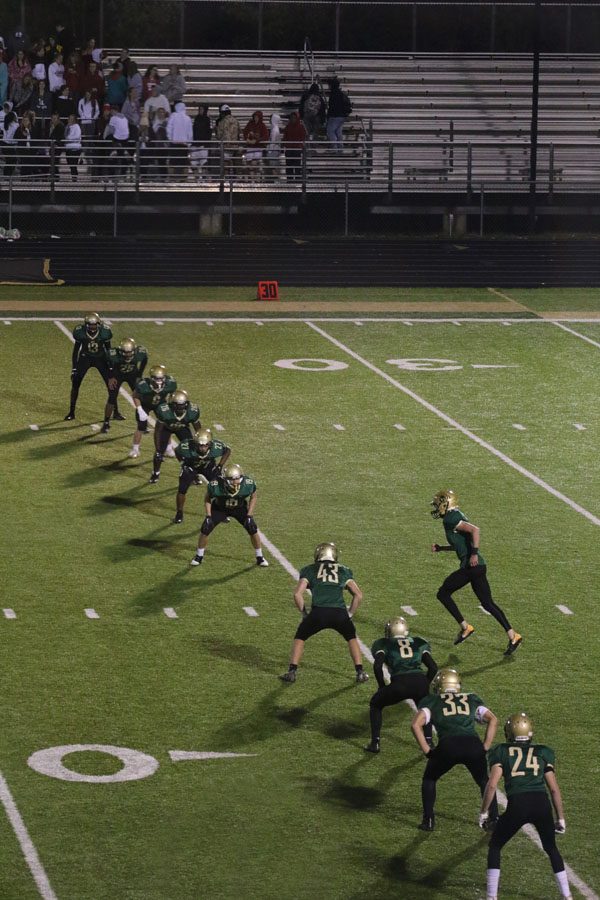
{"points": [[460, 540], [327, 581], [223, 501], [402, 655], [453, 714], [187, 454], [150, 398], [523, 765], [96, 348], [128, 368], [174, 423]]}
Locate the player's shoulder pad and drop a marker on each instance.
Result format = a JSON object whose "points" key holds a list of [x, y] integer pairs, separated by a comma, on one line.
{"points": [[163, 408], [142, 350], [250, 481], [79, 332], [194, 408]]}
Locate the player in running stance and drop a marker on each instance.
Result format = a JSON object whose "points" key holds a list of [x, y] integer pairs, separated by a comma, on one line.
{"points": [[404, 657], [326, 579], [201, 458], [528, 770], [127, 363], [91, 350], [453, 713], [149, 393], [463, 539], [178, 417]]}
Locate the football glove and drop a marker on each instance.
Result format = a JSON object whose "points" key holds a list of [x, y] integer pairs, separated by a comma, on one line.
{"points": [[483, 818], [560, 826], [142, 414], [304, 612]]}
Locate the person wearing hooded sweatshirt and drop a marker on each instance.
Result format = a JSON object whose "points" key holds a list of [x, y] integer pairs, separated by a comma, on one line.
{"points": [[3, 81], [338, 110], [180, 134], [273, 155], [294, 137], [312, 110], [202, 136], [256, 135], [227, 131]]}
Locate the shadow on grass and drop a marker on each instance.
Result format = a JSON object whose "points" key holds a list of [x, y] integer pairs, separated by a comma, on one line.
{"points": [[177, 590], [348, 791]]}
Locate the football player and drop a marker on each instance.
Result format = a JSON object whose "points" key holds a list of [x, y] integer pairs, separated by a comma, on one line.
{"points": [[527, 769], [453, 713], [202, 457], [149, 393], [326, 579], [463, 539], [232, 495], [176, 416], [404, 657], [90, 351], [127, 362]]}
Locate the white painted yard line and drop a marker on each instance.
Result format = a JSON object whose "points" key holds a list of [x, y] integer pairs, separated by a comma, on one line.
{"points": [[218, 427], [29, 851], [9, 614], [34, 427], [183, 755], [519, 427], [409, 610], [399, 427], [564, 609], [91, 614], [339, 427], [579, 427], [170, 612], [278, 427], [452, 422], [576, 333], [250, 611]]}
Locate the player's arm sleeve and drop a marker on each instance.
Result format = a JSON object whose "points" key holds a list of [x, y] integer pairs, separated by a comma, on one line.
{"points": [[430, 664], [378, 667], [75, 354], [143, 365]]}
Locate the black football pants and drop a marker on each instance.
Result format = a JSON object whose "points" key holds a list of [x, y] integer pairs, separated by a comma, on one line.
{"points": [[84, 364], [530, 807], [412, 686], [476, 576], [466, 750]]}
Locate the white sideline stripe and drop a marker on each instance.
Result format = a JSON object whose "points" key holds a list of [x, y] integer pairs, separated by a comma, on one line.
{"points": [[278, 427], [580, 427], [409, 610], [183, 755], [92, 614], [564, 609], [29, 851], [576, 333], [519, 427], [339, 427], [484, 610], [454, 424], [218, 427], [399, 427], [522, 320], [250, 611], [34, 427], [170, 612], [9, 614]]}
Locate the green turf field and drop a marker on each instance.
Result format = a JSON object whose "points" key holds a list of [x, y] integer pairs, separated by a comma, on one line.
{"points": [[307, 814]]}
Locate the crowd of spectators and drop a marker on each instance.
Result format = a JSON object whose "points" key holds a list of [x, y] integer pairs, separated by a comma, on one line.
{"points": [[52, 90]]}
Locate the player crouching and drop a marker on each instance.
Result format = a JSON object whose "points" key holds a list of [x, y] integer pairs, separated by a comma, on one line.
{"points": [[233, 495]]}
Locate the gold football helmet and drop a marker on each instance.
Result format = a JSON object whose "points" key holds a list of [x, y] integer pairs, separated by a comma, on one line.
{"points": [[396, 627], [203, 440], [445, 681], [442, 502], [92, 324], [158, 376], [518, 728], [179, 402], [233, 476], [127, 348], [326, 552]]}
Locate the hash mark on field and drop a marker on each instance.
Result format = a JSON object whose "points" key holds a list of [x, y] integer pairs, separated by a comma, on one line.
{"points": [[37, 427], [259, 323], [564, 609], [250, 611], [219, 427], [407, 323], [9, 614], [6, 322], [506, 323], [484, 610], [399, 427], [170, 612], [158, 322], [357, 322], [580, 427], [409, 610], [92, 614], [278, 427], [339, 427], [95, 427], [519, 427], [209, 322], [454, 322]]}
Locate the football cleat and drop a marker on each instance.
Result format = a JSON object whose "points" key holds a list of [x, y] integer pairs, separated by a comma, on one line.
{"points": [[233, 476], [262, 562], [289, 677], [464, 634], [118, 417], [134, 453], [326, 552], [170, 451], [518, 728], [513, 645], [178, 518], [127, 349], [396, 628], [373, 747], [445, 681], [197, 560], [428, 823], [105, 428], [442, 502], [154, 477], [361, 677], [69, 417]]}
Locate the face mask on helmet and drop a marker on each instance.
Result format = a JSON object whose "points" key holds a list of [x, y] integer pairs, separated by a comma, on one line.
{"points": [[203, 441], [92, 325], [127, 348], [233, 477], [442, 502], [179, 402], [158, 376], [326, 552], [396, 628]]}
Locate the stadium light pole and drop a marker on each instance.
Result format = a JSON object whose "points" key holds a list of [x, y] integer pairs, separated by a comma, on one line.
{"points": [[533, 135]]}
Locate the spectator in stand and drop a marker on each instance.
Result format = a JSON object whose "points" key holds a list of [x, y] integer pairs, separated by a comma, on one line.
{"points": [[88, 111], [24, 138], [73, 144], [294, 138], [38, 62], [17, 42], [21, 93], [180, 134], [125, 60], [202, 138], [6, 108], [101, 143], [9, 143], [144, 145], [256, 135], [131, 111], [118, 132], [55, 130], [93, 81], [227, 131], [41, 102], [313, 110], [56, 74], [3, 81], [173, 86], [18, 68], [116, 86], [150, 78], [159, 142], [73, 76], [87, 55], [273, 155], [338, 110], [64, 39], [134, 81], [156, 101], [64, 103]]}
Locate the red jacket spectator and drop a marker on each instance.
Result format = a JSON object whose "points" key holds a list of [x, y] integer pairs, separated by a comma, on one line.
{"points": [[294, 133], [256, 133], [19, 67], [92, 81], [73, 80]]}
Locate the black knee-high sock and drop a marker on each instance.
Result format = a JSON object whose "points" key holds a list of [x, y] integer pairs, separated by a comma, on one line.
{"points": [[428, 796], [376, 717]]}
